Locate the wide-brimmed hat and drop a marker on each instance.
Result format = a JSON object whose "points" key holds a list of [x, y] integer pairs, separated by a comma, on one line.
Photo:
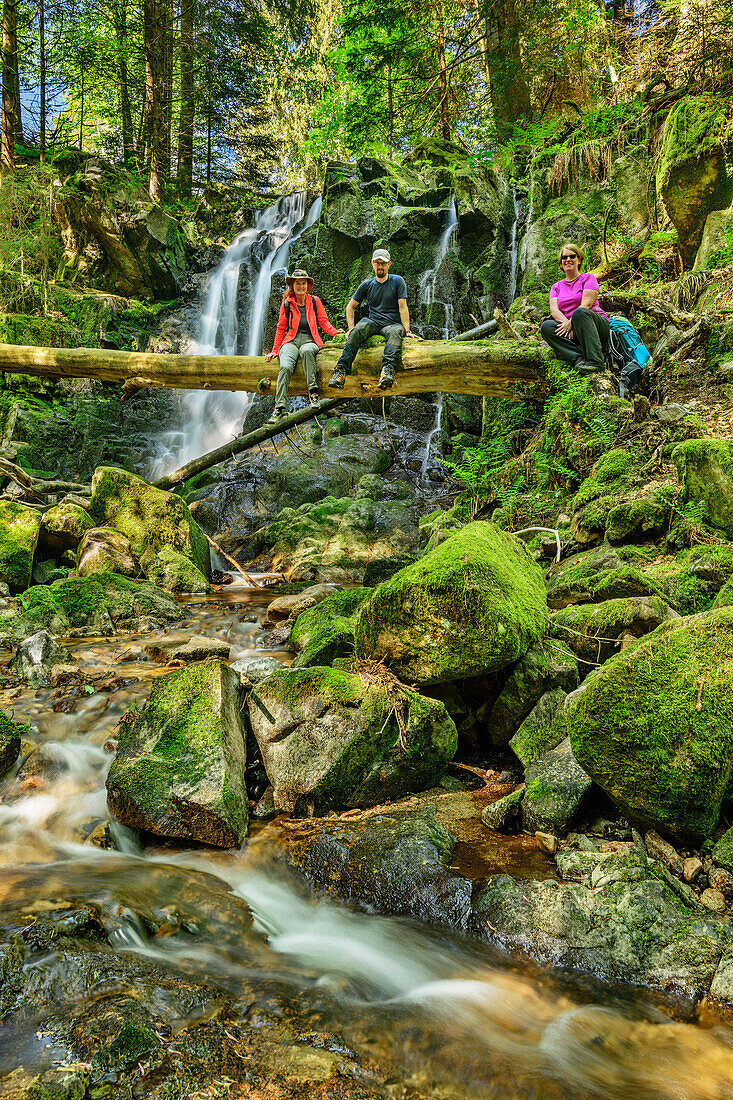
{"points": [[299, 273]]}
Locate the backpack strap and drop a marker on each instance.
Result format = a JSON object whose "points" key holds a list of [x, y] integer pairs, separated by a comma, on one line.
{"points": [[288, 312]]}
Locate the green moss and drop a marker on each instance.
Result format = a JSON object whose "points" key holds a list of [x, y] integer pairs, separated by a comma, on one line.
{"points": [[173, 572], [9, 744], [19, 527], [591, 630], [704, 466], [654, 726], [148, 517], [695, 126], [611, 473], [473, 604], [642, 517], [339, 607]]}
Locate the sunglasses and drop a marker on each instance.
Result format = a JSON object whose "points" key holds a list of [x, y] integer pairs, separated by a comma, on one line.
{"points": [[572, 257]]}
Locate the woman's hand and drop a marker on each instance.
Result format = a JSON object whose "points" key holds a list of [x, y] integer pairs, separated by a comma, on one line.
{"points": [[565, 328], [270, 355], [340, 332]]}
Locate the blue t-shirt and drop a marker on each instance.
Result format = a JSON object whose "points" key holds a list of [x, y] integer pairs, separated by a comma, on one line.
{"points": [[382, 298]]}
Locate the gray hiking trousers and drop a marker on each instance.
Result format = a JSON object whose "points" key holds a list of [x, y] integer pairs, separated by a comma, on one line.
{"points": [[303, 347]]}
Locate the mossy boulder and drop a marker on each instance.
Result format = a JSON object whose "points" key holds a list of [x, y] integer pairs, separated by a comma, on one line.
{"points": [[596, 575], [654, 726], [557, 791], [102, 604], [723, 851], [691, 580], [104, 550], [9, 743], [148, 517], [180, 765], [326, 631], [691, 169], [595, 631], [473, 605], [705, 468], [543, 728], [19, 528], [40, 661], [173, 571], [63, 527], [330, 739], [545, 667]]}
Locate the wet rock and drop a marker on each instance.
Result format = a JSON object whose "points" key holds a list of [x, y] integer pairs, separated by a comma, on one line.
{"points": [[286, 608], [621, 923], [253, 670], [658, 848], [503, 813], [557, 791], [691, 868], [594, 631], [41, 662], [104, 550], [326, 631], [180, 765], [664, 754], [195, 649], [394, 863], [546, 842], [713, 900], [9, 743], [63, 527], [545, 667], [149, 518], [46, 572], [543, 728], [330, 739], [19, 527], [80, 606], [475, 604], [174, 572], [721, 880]]}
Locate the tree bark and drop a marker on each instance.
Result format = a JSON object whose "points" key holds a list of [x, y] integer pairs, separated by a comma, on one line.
{"points": [[440, 43], [11, 105], [119, 17], [42, 76], [494, 368], [186, 119], [154, 44], [503, 60]]}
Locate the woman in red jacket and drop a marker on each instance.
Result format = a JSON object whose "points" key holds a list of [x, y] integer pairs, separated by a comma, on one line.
{"points": [[297, 337]]}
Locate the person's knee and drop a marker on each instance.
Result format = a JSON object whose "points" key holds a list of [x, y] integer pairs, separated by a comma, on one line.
{"points": [[580, 314], [548, 328]]}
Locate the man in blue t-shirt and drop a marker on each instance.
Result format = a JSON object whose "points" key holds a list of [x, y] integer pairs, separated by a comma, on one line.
{"points": [[388, 316]]}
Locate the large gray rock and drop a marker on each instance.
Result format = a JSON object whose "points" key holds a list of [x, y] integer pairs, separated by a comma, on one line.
{"points": [[329, 739], [63, 527], [704, 466], [472, 605], [40, 661], [543, 728], [104, 550], [621, 923], [180, 765], [557, 790], [546, 666]]}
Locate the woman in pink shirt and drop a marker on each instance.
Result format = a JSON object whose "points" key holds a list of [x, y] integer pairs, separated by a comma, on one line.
{"points": [[578, 330]]}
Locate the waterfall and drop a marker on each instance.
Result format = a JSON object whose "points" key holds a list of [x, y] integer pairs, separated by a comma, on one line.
{"points": [[233, 323], [427, 287]]}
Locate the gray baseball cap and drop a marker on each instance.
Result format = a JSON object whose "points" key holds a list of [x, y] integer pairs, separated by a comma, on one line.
{"points": [[381, 254]]}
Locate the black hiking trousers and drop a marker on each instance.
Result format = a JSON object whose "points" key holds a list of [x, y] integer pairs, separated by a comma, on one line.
{"points": [[591, 332], [359, 335]]}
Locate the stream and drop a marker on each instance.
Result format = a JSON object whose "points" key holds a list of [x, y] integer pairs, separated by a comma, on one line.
{"points": [[375, 1006]]}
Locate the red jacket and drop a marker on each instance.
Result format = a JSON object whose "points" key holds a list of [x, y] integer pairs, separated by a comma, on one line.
{"points": [[313, 310]]}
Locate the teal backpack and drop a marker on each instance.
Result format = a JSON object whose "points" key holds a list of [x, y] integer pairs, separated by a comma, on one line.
{"points": [[627, 352]]}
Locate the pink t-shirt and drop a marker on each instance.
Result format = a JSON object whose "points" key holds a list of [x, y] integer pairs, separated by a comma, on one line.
{"points": [[570, 295]]}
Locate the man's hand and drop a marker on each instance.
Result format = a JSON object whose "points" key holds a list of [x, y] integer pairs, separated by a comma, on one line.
{"points": [[270, 355], [412, 336]]}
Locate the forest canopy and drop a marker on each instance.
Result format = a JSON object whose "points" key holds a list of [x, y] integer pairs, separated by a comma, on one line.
{"points": [[192, 92]]}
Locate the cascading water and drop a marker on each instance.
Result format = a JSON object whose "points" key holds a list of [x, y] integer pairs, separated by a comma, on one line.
{"points": [[513, 249], [233, 323], [427, 298]]}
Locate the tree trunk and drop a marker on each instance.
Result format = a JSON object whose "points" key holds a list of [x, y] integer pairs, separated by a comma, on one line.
{"points": [[154, 44], [186, 119], [119, 15], [508, 83], [11, 107], [496, 368], [167, 85], [209, 106], [42, 76]]}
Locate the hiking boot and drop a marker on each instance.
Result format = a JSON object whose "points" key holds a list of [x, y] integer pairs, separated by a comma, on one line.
{"points": [[386, 379], [314, 399], [586, 367], [276, 416], [337, 379]]}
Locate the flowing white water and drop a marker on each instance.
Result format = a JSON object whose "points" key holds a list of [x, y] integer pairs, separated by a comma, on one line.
{"points": [[513, 250], [233, 323], [427, 298]]}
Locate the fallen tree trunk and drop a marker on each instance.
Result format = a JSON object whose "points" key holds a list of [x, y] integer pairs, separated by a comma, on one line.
{"points": [[243, 443], [492, 369]]}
